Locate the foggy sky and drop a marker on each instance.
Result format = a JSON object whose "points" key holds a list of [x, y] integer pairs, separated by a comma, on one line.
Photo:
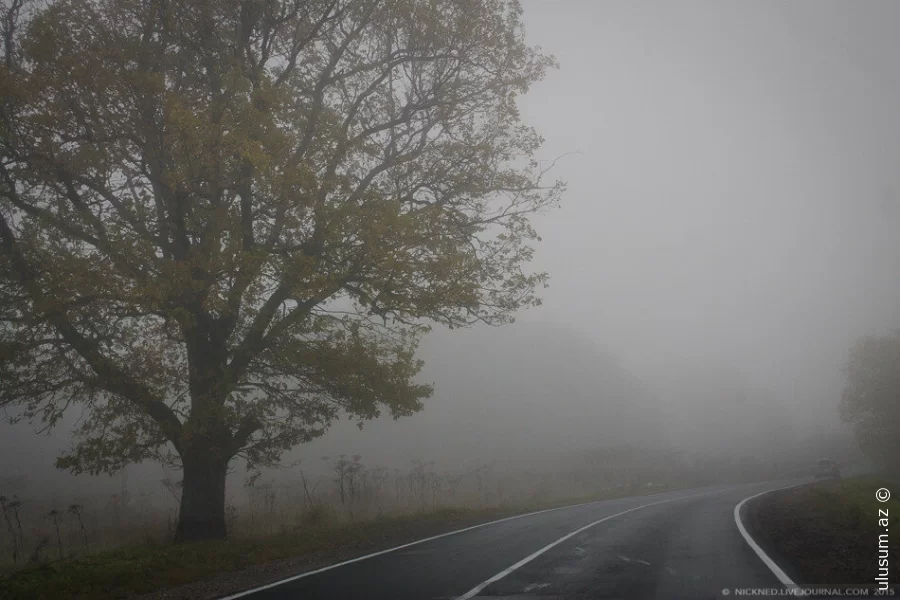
{"points": [[731, 215], [734, 196]]}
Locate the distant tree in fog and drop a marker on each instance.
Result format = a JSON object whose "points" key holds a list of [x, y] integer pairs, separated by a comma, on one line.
{"points": [[871, 398], [223, 223]]}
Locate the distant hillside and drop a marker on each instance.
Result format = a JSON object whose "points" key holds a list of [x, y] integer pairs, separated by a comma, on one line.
{"points": [[513, 393]]}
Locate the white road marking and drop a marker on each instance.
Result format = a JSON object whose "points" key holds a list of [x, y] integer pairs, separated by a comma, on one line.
{"points": [[779, 573], [535, 586], [626, 559], [428, 539], [475, 590]]}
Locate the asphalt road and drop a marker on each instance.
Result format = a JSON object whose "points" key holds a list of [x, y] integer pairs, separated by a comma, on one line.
{"points": [[672, 545]]}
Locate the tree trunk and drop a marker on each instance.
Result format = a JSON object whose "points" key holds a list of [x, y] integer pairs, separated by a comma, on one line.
{"points": [[202, 514]]}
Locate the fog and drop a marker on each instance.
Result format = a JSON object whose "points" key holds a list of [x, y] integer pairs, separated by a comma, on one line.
{"points": [[729, 229]]}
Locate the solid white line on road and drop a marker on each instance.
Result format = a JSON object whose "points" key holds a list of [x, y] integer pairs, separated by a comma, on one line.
{"points": [[778, 571], [475, 590], [428, 539]]}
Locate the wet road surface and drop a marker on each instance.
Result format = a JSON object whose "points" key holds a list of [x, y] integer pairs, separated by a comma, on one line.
{"points": [[674, 545]]}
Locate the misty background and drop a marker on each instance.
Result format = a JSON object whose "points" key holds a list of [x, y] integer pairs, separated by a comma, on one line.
{"points": [[730, 228]]}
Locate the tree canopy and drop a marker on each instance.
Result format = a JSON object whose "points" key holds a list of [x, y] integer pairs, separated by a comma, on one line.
{"points": [[224, 224]]}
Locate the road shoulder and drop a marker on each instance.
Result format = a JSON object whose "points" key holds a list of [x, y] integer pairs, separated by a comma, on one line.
{"points": [[826, 532]]}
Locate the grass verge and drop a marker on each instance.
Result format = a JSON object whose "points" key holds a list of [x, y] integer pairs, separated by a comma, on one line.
{"points": [[827, 533], [133, 571]]}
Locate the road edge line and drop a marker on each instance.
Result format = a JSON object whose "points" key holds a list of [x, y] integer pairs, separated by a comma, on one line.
{"points": [[767, 560]]}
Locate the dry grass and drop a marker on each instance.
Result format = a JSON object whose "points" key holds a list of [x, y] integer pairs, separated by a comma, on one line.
{"points": [[135, 570]]}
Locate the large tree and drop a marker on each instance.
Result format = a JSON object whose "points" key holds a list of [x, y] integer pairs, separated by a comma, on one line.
{"points": [[225, 224], [871, 399]]}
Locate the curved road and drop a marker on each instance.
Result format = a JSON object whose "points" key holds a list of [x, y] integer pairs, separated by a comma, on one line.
{"points": [[673, 545]]}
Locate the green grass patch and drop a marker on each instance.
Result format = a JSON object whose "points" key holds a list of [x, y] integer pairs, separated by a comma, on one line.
{"points": [[828, 532], [850, 504], [135, 570]]}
